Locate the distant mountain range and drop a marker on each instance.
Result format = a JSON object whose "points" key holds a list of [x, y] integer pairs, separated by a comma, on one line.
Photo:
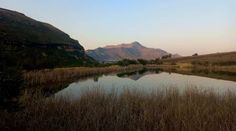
{"points": [[39, 44], [134, 50]]}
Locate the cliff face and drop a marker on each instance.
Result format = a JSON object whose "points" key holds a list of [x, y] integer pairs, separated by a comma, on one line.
{"points": [[129, 51], [38, 43]]}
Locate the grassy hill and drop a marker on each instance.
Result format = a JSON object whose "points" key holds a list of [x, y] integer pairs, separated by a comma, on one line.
{"points": [[16, 28], [38, 45], [226, 58]]}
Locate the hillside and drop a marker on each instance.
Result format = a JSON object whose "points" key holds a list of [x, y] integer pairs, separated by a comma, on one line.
{"points": [[38, 44], [16, 28], [226, 58], [125, 51]]}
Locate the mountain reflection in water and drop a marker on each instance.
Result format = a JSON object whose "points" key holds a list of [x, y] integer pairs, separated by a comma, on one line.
{"points": [[147, 81]]}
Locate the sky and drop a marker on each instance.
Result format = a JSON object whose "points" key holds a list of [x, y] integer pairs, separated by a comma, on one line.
{"points": [[177, 26]]}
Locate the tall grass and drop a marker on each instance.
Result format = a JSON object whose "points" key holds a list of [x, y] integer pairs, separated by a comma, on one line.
{"points": [[47, 76], [192, 110]]}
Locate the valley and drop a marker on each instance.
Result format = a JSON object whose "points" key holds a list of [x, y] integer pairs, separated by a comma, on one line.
{"points": [[48, 81]]}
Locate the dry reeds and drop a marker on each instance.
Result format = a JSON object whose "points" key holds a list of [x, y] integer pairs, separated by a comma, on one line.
{"points": [[58, 75], [192, 110]]}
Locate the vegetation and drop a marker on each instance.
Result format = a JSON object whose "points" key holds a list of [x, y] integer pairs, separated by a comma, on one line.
{"points": [[59, 75], [126, 62], [196, 54], [42, 58], [166, 56], [131, 110], [11, 78], [220, 72], [228, 58], [142, 61]]}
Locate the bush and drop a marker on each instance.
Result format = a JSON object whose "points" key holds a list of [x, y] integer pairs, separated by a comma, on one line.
{"points": [[126, 62], [166, 56], [142, 61], [11, 78]]}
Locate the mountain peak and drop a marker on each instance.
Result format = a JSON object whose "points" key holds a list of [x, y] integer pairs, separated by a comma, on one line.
{"points": [[135, 43], [125, 45]]}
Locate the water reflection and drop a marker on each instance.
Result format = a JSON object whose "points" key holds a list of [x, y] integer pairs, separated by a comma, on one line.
{"points": [[225, 75], [96, 78], [205, 71], [146, 80], [136, 75]]}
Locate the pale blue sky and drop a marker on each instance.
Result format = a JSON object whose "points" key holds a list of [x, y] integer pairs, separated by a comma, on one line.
{"points": [[177, 26]]}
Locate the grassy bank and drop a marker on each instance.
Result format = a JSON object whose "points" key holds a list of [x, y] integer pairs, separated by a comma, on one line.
{"points": [[189, 67], [227, 58], [60, 75], [216, 71], [217, 62], [132, 110]]}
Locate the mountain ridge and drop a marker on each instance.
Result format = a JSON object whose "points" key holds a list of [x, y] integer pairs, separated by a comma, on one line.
{"points": [[39, 44], [13, 21], [134, 50]]}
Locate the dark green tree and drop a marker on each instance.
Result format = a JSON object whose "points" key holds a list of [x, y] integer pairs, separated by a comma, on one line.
{"points": [[11, 79], [126, 62], [142, 61], [166, 56]]}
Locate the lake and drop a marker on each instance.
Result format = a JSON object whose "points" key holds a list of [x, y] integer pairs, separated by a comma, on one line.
{"points": [[146, 81]]}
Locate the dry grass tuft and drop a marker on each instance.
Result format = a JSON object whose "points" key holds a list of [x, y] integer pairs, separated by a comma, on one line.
{"points": [[192, 110]]}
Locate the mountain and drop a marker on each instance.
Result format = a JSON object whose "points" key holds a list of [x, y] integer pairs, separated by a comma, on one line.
{"points": [[38, 44], [133, 50]]}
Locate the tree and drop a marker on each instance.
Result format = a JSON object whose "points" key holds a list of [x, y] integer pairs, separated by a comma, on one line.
{"points": [[166, 56], [11, 78], [126, 62], [142, 61], [158, 61]]}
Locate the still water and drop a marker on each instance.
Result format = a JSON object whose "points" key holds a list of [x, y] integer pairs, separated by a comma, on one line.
{"points": [[146, 81]]}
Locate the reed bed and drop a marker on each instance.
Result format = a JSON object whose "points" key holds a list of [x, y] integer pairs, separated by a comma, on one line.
{"points": [[48, 76], [230, 69], [192, 110]]}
